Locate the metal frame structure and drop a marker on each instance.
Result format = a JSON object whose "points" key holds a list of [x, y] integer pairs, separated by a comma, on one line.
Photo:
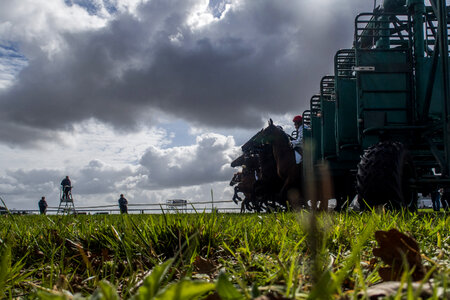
{"points": [[392, 85]]}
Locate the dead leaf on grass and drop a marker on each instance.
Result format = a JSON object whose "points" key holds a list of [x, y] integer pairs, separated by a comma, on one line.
{"points": [[204, 265], [62, 283], [105, 254], [394, 247]]}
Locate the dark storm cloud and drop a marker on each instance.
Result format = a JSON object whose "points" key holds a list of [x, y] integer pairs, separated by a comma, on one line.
{"points": [[259, 58]]}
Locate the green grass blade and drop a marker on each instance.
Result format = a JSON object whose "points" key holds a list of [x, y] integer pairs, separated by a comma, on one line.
{"points": [[185, 290], [226, 289], [105, 291], [152, 283], [5, 268]]}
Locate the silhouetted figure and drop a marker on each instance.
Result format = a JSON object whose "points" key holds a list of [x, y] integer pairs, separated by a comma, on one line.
{"points": [[435, 199], [66, 186], [123, 204], [445, 198], [43, 206]]}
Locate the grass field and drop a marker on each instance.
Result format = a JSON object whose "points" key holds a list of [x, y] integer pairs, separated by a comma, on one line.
{"points": [[225, 256]]}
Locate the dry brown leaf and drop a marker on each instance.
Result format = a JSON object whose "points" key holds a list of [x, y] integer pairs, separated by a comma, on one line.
{"points": [[105, 254], [395, 245], [61, 284], [204, 265]]}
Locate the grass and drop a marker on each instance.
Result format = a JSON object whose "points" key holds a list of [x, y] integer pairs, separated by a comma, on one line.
{"points": [[295, 255]]}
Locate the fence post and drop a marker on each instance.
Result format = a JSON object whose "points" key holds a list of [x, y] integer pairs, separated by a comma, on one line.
{"points": [[212, 200]]}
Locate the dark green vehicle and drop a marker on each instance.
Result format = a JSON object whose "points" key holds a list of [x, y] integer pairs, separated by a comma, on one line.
{"points": [[381, 122]]}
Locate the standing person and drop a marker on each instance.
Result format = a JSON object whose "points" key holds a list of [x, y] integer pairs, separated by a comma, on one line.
{"points": [[435, 199], [297, 142], [43, 206], [445, 198], [123, 204], [66, 186]]}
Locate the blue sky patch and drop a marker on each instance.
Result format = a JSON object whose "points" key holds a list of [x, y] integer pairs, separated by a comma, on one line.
{"points": [[178, 132], [94, 7], [11, 62]]}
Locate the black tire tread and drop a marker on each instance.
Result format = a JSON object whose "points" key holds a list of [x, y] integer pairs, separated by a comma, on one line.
{"points": [[382, 176]]}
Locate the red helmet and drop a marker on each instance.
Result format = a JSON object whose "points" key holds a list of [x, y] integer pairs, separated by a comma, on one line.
{"points": [[297, 119]]}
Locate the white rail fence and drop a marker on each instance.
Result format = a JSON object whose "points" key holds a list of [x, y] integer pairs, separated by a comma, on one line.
{"points": [[184, 206]]}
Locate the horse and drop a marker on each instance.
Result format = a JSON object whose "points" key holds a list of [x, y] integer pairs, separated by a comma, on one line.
{"points": [[239, 161], [247, 159], [259, 158], [251, 170], [269, 184], [252, 145], [287, 169], [245, 181]]}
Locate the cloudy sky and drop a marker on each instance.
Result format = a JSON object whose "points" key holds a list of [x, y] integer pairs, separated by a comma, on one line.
{"points": [[152, 98]]}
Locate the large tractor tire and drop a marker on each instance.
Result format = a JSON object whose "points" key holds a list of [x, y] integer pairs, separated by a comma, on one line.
{"points": [[384, 177]]}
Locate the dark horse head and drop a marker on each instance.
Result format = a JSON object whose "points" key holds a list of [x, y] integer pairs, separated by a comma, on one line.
{"points": [[253, 143], [265, 136], [273, 135], [247, 159]]}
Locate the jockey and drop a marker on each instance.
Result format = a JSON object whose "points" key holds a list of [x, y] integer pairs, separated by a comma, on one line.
{"points": [[297, 142]]}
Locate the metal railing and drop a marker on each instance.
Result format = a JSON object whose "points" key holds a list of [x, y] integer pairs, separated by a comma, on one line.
{"points": [[344, 62], [394, 28], [316, 108], [327, 91], [140, 208], [307, 118], [431, 34]]}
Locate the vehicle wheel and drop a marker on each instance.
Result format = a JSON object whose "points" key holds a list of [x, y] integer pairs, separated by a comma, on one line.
{"points": [[384, 175]]}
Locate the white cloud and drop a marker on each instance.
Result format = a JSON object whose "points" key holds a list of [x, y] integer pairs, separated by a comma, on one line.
{"points": [[38, 24], [203, 13], [206, 161]]}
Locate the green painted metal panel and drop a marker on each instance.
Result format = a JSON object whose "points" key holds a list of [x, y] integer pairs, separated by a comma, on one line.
{"points": [[346, 111], [316, 137], [327, 105], [384, 91], [392, 82], [316, 128], [346, 116], [328, 128], [437, 92], [307, 134]]}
